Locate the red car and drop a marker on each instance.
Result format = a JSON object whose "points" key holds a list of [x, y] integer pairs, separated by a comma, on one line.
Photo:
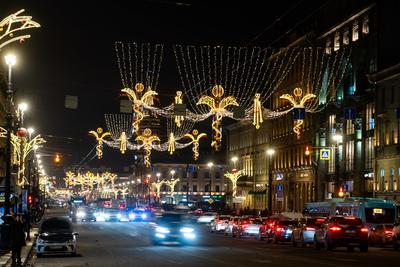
{"points": [[341, 231], [381, 235], [266, 229]]}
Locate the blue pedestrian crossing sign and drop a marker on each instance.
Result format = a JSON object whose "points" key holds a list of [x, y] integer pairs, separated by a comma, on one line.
{"points": [[325, 154]]}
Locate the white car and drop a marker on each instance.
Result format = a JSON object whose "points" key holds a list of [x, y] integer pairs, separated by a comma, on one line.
{"points": [[206, 217], [55, 236], [220, 223]]}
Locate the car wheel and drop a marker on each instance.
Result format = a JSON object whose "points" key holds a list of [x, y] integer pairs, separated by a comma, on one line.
{"points": [[260, 237], [328, 246], [395, 244], [303, 244], [364, 247], [275, 240], [294, 244], [317, 245], [73, 254]]}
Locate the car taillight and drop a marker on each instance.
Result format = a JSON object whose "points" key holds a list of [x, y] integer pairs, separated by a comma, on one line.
{"points": [[271, 224], [245, 225], [310, 229], [364, 230], [388, 232], [278, 229], [335, 228]]}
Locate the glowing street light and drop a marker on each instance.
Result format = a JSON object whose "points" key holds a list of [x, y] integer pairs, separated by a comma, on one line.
{"points": [[172, 174], [337, 138], [158, 176], [23, 106]]}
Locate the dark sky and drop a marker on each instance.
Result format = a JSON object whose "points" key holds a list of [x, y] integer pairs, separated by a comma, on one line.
{"points": [[73, 53]]}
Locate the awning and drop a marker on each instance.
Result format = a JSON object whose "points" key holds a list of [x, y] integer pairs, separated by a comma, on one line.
{"points": [[258, 191]]}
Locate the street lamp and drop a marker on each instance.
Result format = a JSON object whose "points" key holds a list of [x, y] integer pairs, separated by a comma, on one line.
{"points": [[210, 165], [158, 176], [270, 152], [11, 60], [234, 160], [172, 174]]}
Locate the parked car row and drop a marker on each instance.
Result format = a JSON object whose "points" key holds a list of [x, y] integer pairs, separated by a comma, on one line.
{"points": [[320, 232]]}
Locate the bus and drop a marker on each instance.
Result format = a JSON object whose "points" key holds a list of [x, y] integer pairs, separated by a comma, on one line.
{"points": [[372, 211]]}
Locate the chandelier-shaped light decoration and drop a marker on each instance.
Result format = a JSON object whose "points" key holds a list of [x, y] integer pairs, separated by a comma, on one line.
{"points": [[11, 26], [298, 102], [234, 177], [178, 100], [257, 112], [171, 143], [147, 139], [137, 99], [217, 105], [171, 184], [195, 137], [99, 135], [123, 140], [158, 185]]}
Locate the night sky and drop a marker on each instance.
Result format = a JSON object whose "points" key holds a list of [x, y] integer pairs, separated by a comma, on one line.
{"points": [[73, 54]]}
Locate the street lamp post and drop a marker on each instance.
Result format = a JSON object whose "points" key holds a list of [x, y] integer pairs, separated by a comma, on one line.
{"points": [[270, 153], [28, 237], [338, 138], [10, 61]]}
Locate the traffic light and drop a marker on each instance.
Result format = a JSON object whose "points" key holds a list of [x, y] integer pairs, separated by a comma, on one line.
{"points": [[307, 151], [30, 200]]}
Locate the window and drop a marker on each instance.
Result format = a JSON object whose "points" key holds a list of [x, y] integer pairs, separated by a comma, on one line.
{"points": [[369, 116], [349, 127], [195, 174], [346, 36], [217, 188], [349, 164], [382, 181], [207, 175], [217, 175], [184, 175], [365, 25], [328, 48], [355, 31], [391, 179], [184, 188], [194, 188], [206, 188], [331, 124], [369, 152], [331, 163], [336, 42], [387, 133]]}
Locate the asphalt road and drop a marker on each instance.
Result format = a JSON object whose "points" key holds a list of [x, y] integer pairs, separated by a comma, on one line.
{"points": [[128, 244]]}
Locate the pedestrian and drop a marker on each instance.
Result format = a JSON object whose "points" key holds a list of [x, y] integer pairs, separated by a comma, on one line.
{"points": [[17, 240]]}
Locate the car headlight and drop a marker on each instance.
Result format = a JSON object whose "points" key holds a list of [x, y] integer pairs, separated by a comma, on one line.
{"points": [[119, 216], [186, 230], [144, 216], [163, 230], [132, 216], [81, 214]]}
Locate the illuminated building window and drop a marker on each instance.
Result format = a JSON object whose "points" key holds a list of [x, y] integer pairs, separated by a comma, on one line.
{"points": [[391, 179], [369, 116], [332, 162], [331, 123], [346, 36], [387, 133], [336, 42], [349, 163], [355, 31], [369, 153], [328, 48], [365, 25], [382, 181], [349, 127], [395, 133]]}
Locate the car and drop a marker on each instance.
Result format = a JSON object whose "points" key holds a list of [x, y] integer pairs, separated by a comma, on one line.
{"points": [[85, 214], [303, 232], [282, 230], [342, 231], [247, 227], [231, 223], [265, 231], [139, 215], [381, 235], [396, 236], [206, 217], [55, 236], [220, 223], [112, 214], [174, 228]]}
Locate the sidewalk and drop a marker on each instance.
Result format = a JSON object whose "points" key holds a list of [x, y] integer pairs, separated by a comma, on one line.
{"points": [[5, 260]]}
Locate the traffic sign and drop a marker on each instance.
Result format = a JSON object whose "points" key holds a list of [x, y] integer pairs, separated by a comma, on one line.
{"points": [[325, 154], [210, 200]]}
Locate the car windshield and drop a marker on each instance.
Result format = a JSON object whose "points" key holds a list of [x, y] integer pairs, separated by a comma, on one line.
{"points": [[315, 221], [224, 218], [256, 221], [173, 218], [285, 223], [379, 215], [55, 224]]}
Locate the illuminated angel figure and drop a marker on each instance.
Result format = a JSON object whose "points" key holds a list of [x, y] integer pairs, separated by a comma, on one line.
{"points": [[99, 135], [178, 100], [136, 97], [122, 142], [158, 185], [217, 105], [147, 139], [299, 110], [195, 137], [171, 143], [257, 112], [3, 132], [234, 177], [12, 25], [171, 185]]}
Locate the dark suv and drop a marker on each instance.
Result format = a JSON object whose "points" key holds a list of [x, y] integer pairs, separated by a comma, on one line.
{"points": [[342, 231]]}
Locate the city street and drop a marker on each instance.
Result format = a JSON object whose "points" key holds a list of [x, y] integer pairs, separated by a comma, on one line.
{"points": [[128, 244]]}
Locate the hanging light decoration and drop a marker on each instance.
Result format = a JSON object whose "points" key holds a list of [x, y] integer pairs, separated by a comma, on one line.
{"points": [[171, 143], [234, 177], [195, 137], [147, 139], [99, 135], [217, 105], [122, 142], [257, 111], [178, 100], [298, 108]]}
